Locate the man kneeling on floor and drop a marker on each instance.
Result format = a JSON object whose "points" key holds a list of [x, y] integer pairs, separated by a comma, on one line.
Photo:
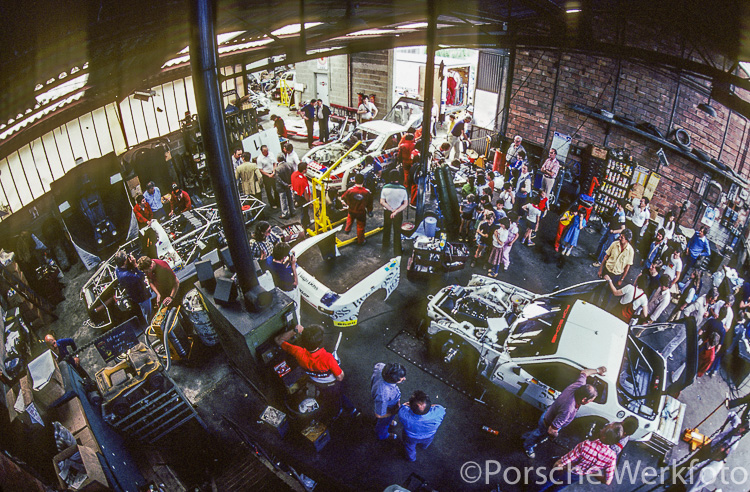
{"points": [[421, 420], [319, 364]]}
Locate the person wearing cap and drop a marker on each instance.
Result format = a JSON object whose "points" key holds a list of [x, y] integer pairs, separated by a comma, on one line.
{"points": [[154, 199], [179, 200], [386, 396], [372, 175]]}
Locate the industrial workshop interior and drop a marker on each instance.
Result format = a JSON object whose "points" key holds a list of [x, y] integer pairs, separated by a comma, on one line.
{"points": [[375, 246]]}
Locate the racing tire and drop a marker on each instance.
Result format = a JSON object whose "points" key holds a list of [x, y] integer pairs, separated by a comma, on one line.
{"points": [[681, 137]]}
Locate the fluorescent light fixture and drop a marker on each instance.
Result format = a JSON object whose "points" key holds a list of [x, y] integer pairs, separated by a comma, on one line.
{"points": [[220, 39], [61, 90], [323, 50], [413, 25], [371, 32], [573, 10], [39, 114], [242, 46], [63, 206], [293, 28]]}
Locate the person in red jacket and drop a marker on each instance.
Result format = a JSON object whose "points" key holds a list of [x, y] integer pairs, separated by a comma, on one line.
{"points": [[302, 193], [406, 153], [142, 211], [179, 200], [359, 200]]}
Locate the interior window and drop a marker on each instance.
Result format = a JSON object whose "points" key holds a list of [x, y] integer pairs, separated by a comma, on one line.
{"points": [[554, 374], [392, 142]]}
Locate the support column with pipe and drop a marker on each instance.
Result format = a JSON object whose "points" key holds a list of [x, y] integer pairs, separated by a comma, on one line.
{"points": [[203, 61]]}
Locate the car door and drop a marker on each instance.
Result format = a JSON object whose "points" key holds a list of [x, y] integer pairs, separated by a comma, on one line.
{"points": [[541, 382]]}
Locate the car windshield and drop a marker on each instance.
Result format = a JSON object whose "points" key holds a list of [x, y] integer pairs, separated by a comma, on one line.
{"points": [[539, 335], [406, 112], [638, 384]]}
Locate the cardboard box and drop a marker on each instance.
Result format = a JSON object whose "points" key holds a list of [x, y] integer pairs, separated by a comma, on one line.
{"points": [[72, 416], [48, 384], [23, 388], [96, 480], [85, 437]]}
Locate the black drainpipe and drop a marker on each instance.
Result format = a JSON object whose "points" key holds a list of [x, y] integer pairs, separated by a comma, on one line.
{"points": [[203, 61]]}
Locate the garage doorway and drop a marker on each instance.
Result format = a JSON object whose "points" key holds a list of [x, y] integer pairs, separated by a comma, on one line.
{"points": [[321, 87]]}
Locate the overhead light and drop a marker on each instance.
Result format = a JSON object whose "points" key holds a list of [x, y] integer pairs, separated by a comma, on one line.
{"points": [[708, 109], [144, 95], [662, 157], [293, 28], [572, 7], [414, 25]]}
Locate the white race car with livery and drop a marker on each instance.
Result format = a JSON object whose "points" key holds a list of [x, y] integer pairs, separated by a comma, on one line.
{"points": [[378, 138], [535, 345], [343, 309]]}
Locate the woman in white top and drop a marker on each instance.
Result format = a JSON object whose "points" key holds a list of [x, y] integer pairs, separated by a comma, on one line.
{"points": [[508, 197], [633, 299], [532, 216], [499, 238]]}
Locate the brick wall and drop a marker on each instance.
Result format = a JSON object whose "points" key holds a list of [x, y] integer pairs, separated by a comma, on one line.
{"points": [[371, 74], [643, 94]]}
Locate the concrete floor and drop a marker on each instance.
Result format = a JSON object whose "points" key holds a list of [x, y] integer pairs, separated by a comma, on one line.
{"points": [[354, 460]]}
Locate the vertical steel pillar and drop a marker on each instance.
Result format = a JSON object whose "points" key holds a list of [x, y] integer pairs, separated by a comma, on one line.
{"points": [[203, 61], [429, 84]]}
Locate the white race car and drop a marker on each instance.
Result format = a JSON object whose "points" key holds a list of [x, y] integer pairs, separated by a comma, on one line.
{"points": [[344, 308], [535, 345], [379, 139]]}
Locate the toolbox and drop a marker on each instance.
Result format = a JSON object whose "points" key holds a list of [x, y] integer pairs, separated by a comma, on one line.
{"points": [[318, 434]]}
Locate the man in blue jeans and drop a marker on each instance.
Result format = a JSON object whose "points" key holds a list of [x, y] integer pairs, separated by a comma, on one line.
{"points": [[697, 246], [386, 396], [562, 411], [421, 421], [133, 282], [611, 233]]}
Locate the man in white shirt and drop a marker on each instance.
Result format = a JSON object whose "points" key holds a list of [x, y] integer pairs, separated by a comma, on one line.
{"points": [[641, 215], [660, 299], [512, 155], [290, 155], [394, 199], [673, 267], [266, 164], [700, 309], [367, 110]]}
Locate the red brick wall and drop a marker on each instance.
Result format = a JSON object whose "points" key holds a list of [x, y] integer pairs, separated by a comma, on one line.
{"points": [[643, 94]]}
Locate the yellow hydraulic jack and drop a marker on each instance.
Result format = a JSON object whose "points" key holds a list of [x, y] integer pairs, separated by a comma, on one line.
{"points": [[320, 213], [285, 94]]}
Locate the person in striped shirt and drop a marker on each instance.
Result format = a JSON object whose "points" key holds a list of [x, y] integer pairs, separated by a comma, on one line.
{"points": [[590, 459]]}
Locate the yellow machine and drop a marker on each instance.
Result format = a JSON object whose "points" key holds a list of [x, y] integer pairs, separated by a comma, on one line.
{"points": [[320, 213], [165, 321], [285, 93]]}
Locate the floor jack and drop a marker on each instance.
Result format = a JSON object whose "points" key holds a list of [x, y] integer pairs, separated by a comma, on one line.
{"points": [[694, 437], [321, 218]]}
